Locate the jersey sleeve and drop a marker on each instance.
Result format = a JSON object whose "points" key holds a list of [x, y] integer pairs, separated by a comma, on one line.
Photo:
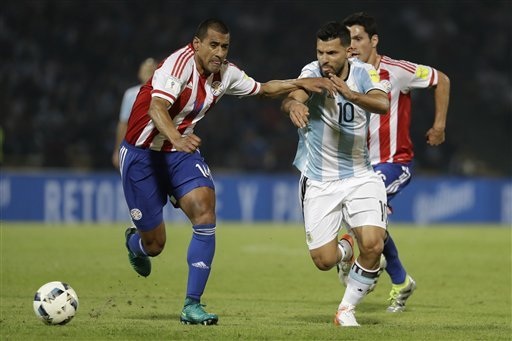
{"points": [[167, 82], [240, 84], [310, 71], [423, 77]]}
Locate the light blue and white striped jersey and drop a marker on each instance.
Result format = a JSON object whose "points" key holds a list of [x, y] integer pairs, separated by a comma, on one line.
{"points": [[333, 145]]}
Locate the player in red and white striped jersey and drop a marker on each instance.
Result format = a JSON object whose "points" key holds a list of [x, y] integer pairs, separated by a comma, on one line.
{"points": [[389, 142], [160, 159]]}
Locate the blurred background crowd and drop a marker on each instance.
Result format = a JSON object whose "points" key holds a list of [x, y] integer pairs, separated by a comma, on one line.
{"points": [[66, 64]]}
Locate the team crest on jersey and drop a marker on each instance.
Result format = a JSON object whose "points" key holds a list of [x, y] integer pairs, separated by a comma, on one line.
{"points": [[422, 72], [136, 214], [217, 88]]}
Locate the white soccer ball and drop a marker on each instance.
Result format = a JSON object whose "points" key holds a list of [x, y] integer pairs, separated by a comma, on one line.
{"points": [[55, 303]]}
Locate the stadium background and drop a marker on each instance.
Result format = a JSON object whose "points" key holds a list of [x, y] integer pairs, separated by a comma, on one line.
{"points": [[66, 64]]}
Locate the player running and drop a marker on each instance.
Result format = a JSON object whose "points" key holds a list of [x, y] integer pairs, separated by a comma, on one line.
{"points": [[390, 145]]}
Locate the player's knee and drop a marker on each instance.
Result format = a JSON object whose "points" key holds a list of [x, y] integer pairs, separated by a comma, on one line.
{"points": [[204, 216], [322, 263], [371, 248], [154, 248]]}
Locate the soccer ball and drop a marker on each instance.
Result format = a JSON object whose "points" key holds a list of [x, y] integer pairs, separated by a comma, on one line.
{"points": [[55, 303]]}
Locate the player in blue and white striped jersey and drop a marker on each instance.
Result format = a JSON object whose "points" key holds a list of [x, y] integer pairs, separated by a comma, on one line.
{"points": [[338, 186]]}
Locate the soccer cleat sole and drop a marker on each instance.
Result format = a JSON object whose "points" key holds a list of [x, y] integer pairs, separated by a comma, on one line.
{"points": [[208, 322]]}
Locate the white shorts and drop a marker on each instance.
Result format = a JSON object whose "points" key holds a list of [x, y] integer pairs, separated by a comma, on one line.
{"points": [[327, 206]]}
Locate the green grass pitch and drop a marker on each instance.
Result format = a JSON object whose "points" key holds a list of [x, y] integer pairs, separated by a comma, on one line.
{"points": [[263, 285]]}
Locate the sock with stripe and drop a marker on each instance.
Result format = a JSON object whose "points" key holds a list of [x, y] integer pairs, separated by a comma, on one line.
{"points": [[358, 283], [135, 245], [199, 258]]}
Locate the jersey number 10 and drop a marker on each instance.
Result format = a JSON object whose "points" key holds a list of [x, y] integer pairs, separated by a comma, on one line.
{"points": [[346, 113]]}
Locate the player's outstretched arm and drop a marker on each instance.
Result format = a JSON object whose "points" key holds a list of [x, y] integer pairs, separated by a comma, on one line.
{"points": [[275, 88], [436, 135]]}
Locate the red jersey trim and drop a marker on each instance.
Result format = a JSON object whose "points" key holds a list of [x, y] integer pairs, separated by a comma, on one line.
{"points": [[403, 65], [432, 77], [164, 94], [182, 60]]}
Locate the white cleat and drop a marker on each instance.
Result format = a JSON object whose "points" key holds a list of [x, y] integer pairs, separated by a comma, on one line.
{"points": [[345, 317]]}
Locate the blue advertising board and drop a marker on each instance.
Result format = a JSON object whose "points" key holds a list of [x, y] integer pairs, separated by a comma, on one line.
{"points": [[54, 197]]}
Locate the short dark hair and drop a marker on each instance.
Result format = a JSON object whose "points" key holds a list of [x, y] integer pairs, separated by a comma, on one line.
{"points": [[333, 30], [362, 19], [215, 24]]}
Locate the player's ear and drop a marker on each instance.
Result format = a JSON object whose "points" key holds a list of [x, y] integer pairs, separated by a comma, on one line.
{"points": [[195, 42], [375, 40]]}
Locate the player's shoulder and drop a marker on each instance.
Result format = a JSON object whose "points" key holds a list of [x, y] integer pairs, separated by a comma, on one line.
{"points": [[179, 61], [397, 64], [227, 65], [362, 70], [356, 64], [311, 70], [229, 70]]}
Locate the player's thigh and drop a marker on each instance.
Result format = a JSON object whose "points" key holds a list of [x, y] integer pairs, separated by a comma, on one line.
{"points": [[142, 185], [321, 203], [365, 205], [192, 187]]}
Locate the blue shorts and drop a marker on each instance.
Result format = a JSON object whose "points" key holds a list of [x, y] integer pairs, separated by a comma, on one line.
{"points": [[150, 177], [395, 176]]}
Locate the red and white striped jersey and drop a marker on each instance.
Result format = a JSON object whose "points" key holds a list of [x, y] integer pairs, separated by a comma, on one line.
{"points": [[191, 96], [389, 139]]}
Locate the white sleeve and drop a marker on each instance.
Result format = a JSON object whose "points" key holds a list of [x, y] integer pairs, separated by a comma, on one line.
{"points": [[424, 77], [311, 70], [170, 79], [240, 84]]}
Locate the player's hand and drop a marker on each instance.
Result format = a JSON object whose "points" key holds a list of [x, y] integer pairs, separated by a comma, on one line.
{"points": [[341, 87], [187, 144], [435, 136], [318, 84], [299, 114]]}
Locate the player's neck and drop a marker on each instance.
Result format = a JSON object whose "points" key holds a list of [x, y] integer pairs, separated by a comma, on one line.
{"points": [[374, 60], [344, 71]]}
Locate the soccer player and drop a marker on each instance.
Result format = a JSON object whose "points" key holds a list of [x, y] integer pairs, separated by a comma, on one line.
{"points": [[160, 158], [338, 185], [390, 146], [146, 69]]}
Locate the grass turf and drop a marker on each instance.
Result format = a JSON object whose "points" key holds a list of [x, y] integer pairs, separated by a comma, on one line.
{"points": [[263, 285]]}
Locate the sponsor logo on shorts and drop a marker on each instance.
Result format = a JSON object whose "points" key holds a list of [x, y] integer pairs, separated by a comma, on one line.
{"points": [[136, 214]]}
